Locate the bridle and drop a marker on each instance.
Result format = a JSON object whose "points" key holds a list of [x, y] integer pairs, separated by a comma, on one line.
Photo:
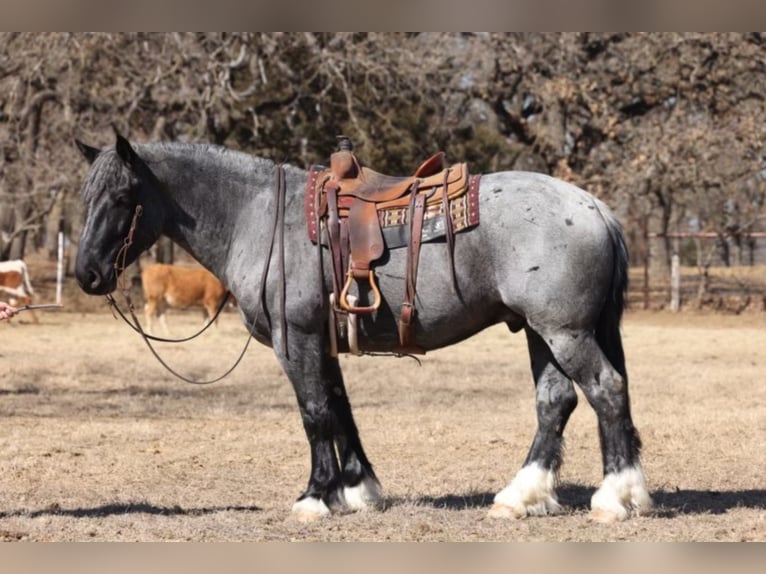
{"points": [[123, 286], [120, 265]]}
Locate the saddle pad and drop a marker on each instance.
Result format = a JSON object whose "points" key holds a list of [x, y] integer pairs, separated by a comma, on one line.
{"points": [[464, 211]]}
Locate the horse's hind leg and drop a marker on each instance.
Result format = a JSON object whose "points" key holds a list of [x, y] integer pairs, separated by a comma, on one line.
{"points": [[532, 490], [623, 489]]}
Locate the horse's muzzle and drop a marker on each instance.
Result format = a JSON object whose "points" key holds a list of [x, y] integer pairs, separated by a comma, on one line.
{"points": [[93, 281]]}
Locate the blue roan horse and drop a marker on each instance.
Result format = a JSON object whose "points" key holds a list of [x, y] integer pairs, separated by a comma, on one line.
{"points": [[547, 258]]}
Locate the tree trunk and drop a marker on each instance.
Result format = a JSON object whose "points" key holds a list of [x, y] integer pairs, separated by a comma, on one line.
{"points": [[165, 251], [16, 250]]}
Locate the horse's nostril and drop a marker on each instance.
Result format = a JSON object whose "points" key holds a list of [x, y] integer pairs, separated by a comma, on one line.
{"points": [[93, 279]]}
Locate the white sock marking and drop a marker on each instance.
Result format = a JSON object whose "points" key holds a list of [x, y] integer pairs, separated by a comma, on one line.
{"points": [[621, 493], [531, 492], [366, 494]]}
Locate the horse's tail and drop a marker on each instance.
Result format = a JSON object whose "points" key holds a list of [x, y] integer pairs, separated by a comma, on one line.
{"points": [[608, 326]]}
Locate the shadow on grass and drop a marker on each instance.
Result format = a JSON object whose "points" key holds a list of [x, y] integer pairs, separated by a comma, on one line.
{"points": [[679, 502], [668, 504], [23, 390], [126, 508]]}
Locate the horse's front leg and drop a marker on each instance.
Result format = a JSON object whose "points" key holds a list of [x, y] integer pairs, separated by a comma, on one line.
{"points": [[327, 421]]}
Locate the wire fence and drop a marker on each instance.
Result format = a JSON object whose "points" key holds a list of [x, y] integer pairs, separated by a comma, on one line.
{"points": [[723, 272]]}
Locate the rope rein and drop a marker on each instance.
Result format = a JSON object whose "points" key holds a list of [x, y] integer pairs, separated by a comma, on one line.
{"points": [[120, 265]]}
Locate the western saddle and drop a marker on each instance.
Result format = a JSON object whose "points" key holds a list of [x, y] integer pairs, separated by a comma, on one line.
{"points": [[349, 207]]}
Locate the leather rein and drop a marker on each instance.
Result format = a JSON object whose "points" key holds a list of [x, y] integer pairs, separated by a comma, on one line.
{"points": [[121, 263]]}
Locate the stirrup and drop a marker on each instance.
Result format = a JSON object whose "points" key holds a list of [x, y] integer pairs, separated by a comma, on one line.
{"points": [[350, 307], [351, 331]]}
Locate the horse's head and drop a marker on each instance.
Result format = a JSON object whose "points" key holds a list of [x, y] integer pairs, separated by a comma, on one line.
{"points": [[118, 183]]}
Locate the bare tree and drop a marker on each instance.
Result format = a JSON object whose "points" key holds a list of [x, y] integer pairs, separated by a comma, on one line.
{"points": [[665, 127]]}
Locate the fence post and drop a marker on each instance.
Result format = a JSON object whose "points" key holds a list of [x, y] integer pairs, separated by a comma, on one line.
{"points": [[675, 283], [645, 235], [60, 267]]}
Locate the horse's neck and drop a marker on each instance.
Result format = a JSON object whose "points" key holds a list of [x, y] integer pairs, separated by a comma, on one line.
{"points": [[207, 194]]}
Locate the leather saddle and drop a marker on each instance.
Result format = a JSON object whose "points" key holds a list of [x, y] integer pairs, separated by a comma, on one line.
{"points": [[345, 206]]}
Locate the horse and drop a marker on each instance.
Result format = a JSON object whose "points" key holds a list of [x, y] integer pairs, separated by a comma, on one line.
{"points": [[179, 287], [548, 259]]}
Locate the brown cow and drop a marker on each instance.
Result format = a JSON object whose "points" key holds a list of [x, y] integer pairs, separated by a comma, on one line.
{"points": [[179, 287], [15, 285]]}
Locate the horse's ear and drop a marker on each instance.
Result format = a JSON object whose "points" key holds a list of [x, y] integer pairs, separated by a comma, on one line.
{"points": [[125, 151], [89, 152]]}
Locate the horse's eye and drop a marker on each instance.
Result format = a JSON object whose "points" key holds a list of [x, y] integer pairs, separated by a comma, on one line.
{"points": [[124, 200]]}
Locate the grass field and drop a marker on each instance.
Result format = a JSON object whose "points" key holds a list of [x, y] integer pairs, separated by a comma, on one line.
{"points": [[99, 442]]}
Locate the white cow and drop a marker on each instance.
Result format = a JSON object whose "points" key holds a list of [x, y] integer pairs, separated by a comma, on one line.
{"points": [[14, 283]]}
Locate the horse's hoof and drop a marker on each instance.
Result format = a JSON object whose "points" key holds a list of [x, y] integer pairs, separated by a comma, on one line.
{"points": [[531, 493], [364, 496], [620, 495], [605, 516], [506, 512], [310, 510], [305, 517]]}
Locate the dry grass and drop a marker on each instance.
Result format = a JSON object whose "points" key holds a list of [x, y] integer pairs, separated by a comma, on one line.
{"points": [[98, 442]]}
